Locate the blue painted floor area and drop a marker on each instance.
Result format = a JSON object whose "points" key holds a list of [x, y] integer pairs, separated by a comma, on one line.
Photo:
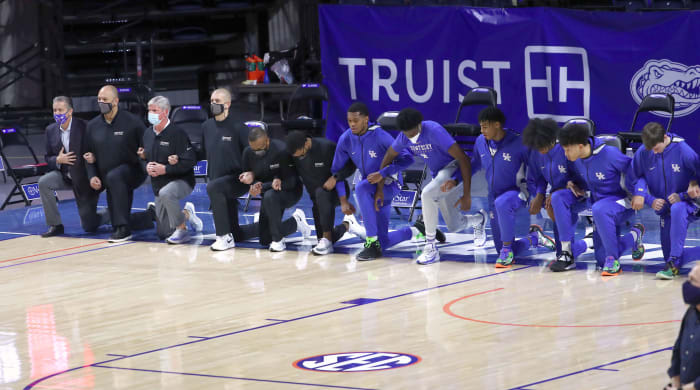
{"points": [[19, 222]]}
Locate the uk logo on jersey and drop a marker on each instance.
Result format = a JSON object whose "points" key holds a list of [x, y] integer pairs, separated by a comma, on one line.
{"points": [[562, 169], [506, 156], [373, 154], [676, 167], [356, 361], [600, 175]]}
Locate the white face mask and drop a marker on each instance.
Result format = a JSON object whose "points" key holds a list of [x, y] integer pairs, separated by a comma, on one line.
{"points": [[153, 119], [415, 138]]}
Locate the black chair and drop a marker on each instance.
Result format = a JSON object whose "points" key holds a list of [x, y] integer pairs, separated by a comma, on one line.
{"points": [[190, 119], [305, 110], [663, 102], [10, 139], [609, 139], [589, 124], [412, 178], [465, 133], [251, 125]]}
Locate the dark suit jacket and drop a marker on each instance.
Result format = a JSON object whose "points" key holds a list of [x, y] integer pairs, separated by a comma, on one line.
{"points": [[78, 173]]}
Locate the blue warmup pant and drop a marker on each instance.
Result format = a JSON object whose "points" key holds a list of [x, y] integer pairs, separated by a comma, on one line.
{"points": [[608, 215], [502, 213], [566, 208], [674, 229], [377, 223]]}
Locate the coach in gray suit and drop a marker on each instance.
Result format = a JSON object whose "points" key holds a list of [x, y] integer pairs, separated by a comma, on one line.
{"points": [[64, 155]]}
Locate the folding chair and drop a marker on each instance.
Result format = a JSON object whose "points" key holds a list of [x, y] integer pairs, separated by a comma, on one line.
{"points": [[412, 178], [465, 133], [13, 138], [253, 124], [662, 102], [306, 111], [190, 119]]}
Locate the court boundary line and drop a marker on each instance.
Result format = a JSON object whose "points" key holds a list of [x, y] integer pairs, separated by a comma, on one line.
{"points": [[53, 251], [346, 307], [66, 255], [524, 387], [232, 377]]}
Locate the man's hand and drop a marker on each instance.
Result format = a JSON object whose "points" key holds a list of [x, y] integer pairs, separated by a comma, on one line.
{"points": [[277, 185], [375, 178], [574, 188], [465, 203], [330, 183], [173, 159], [65, 158], [674, 198], [378, 199], [536, 204], [155, 169], [246, 177], [637, 202], [89, 157], [141, 152], [347, 208], [255, 189], [658, 204], [96, 183], [448, 185], [548, 202]]}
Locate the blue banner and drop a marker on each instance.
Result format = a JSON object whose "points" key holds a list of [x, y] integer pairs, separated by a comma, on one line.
{"points": [[552, 62], [201, 168]]}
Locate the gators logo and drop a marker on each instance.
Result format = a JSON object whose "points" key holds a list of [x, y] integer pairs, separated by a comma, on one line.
{"points": [[666, 76]]}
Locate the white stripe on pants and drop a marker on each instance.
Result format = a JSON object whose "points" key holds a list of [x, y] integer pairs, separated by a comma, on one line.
{"points": [[433, 198]]}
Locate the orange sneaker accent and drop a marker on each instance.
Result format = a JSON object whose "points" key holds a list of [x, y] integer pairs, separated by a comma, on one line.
{"points": [[499, 265], [606, 273]]}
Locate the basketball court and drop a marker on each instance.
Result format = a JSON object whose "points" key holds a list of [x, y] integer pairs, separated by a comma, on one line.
{"points": [[81, 313]]}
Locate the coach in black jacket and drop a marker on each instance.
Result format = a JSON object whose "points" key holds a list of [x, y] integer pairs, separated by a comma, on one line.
{"points": [[168, 158], [112, 140], [223, 140], [64, 155]]}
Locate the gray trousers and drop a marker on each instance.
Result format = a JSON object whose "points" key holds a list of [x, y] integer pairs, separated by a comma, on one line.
{"points": [[433, 199], [90, 217], [169, 213]]}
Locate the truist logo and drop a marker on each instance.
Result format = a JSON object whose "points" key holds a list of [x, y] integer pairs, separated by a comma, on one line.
{"points": [[665, 76]]}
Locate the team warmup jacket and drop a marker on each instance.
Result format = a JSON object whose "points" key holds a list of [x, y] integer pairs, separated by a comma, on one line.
{"points": [[171, 141], [222, 146], [660, 175], [602, 171], [367, 152], [552, 168]]}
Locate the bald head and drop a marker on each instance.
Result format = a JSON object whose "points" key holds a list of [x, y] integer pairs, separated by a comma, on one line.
{"points": [[109, 91], [694, 276], [221, 96]]}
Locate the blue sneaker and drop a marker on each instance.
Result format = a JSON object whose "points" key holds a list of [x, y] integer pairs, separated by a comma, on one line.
{"points": [[178, 237]]}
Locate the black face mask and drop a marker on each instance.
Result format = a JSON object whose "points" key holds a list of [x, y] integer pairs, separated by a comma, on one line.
{"points": [[691, 294], [105, 108], [216, 108]]}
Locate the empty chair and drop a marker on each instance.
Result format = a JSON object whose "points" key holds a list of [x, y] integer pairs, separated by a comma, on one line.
{"points": [[13, 141], [466, 133], [306, 110], [662, 102], [190, 119]]}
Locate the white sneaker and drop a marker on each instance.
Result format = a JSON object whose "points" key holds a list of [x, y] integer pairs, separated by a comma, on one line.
{"points": [[324, 247], [179, 236], [194, 220], [223, 243], [355, 227], [302, 226], [151, 204], [430, 255], [256, 217], [277, 246], [480, 230]]}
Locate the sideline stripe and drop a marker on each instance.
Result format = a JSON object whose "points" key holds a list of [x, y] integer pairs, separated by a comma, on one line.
{"points": [[54, 251], [67, 254]]}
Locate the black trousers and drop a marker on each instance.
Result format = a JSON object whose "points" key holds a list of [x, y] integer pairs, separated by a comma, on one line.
{"points": [[270, 227], [223, 196], [90, 219], [120, 183], [324, 204]]}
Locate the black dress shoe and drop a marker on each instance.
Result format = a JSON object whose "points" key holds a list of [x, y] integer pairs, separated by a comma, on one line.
{"points": [[54, 230], [439, 235], [121, 233]]}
